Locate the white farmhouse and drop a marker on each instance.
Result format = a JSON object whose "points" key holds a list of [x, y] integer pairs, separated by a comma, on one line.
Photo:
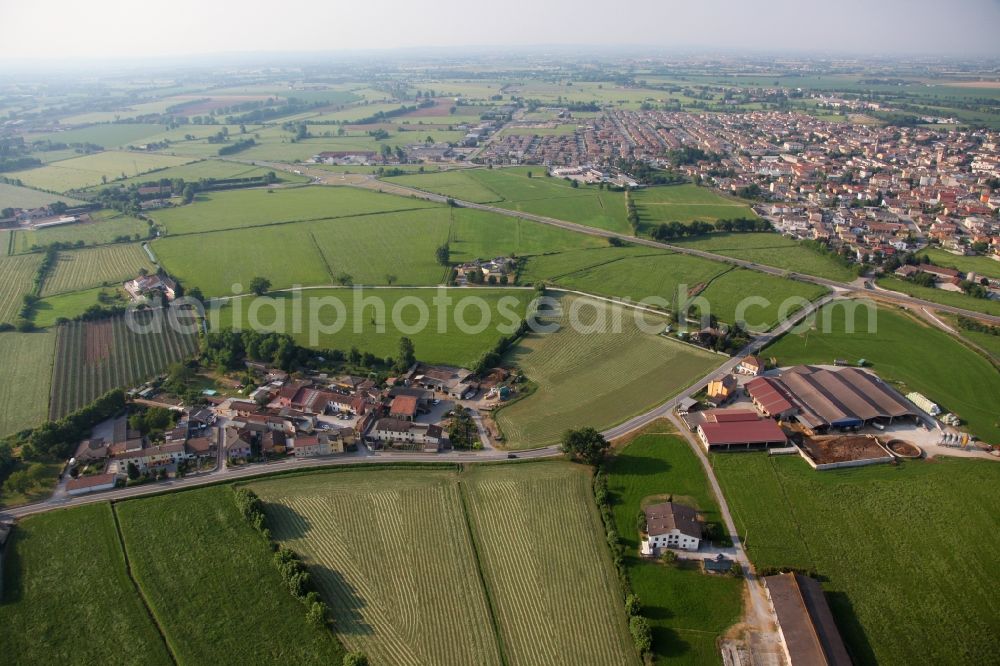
{"points": [[670, 525]]}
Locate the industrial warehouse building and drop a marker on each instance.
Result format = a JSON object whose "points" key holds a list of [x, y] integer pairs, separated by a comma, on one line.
{"points": [[809, 636], [822, 399]]}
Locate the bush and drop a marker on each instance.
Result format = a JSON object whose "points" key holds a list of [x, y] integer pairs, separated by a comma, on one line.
{"points": [[641, 634], [355, 659], [632, 605]]}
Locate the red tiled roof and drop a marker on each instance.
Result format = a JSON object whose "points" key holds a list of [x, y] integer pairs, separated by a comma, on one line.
{"points": [[771, 397], [89, 481], [762, 431], [404, 404]]}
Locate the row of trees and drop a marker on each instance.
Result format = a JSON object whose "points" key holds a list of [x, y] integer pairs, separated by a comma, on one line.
{"points": [[668, 230]]}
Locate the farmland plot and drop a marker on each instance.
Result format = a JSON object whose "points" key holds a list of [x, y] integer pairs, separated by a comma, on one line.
{"points": [[16, 279], [392, 556], [528, 566], [396, 554], [105, 226], [26, 369], [599, 379], [95, 357], [81, 172], [12, 196], [92, 267]]}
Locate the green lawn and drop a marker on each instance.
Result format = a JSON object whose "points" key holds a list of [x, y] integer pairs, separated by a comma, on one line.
{"points": [[909, 353], [906, 552], [26, 368], [235, 209], [687, 609], [211, 584], [770, 249], [952, 298], [66, 593], [595, 375], [70, 304], [981, 265], [366, 311]]}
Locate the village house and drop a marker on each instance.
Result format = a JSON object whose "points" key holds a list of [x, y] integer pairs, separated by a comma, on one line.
{"points": [[455, 382], [670, 525], [238, 443], [750, 365], [395, 431], [722, 389], [403, 407], [144, 285], [92, 483]]}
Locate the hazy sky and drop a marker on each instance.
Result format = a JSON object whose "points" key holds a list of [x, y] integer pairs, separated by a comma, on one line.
{"points": [[75, 29]]}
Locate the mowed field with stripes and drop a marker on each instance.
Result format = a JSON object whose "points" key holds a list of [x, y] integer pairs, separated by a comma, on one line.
{"points": [[437, 566]]}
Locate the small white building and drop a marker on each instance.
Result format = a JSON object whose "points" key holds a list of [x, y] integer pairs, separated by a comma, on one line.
{"points": [[670, 525], [396, 431]]}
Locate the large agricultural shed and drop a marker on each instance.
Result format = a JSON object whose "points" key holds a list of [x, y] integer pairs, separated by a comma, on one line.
{"points": [[821, 399]]}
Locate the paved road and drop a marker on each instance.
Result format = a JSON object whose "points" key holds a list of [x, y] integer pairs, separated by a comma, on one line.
{"points": [[371, 182]]}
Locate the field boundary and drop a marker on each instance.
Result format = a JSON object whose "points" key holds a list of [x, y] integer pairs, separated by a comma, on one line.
{"points": [[479, 571], [138, 588]]}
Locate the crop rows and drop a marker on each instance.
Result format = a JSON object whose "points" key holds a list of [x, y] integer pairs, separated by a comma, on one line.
{"points": [[532, 557], [414, 563], [92, 267], [16, 276], [117, 358], [394, 561]]}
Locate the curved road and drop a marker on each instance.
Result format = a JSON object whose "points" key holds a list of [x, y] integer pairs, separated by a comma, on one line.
{"points": [[371, 182]]}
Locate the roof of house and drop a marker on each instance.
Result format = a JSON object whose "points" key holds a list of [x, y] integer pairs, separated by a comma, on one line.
{"points": [[91, 481], [807, 626], [201, 444], [667, 516], [404, 404], [394, 425], [751, 362]]}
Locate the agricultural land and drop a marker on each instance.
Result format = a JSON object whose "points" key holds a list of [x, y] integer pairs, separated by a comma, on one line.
{"points": [[26, 368], [93, 267], [92, 358], [468, 605], [874, 535], [599, 379]]}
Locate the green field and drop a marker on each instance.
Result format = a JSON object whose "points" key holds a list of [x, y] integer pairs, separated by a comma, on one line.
{"points": [[17, 274], [934, 295], [642, 273], [363, 319], [989, 342], [980, 265], [210, 582], [92, 358], [688, 610], [105, 227], [12, 196], [907, 552], [107, 135], [440, 567], [71, 304], [235, 209], [93, 267], [218, 169], [595, 379], [684, 203], [26, 368], [82, 172], [65, 569], [770, 249], [477, 234], [541, 195], [908, 353]]}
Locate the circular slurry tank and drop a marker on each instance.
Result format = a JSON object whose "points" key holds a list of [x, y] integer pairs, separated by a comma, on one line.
{"points": [[903, 449]]}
